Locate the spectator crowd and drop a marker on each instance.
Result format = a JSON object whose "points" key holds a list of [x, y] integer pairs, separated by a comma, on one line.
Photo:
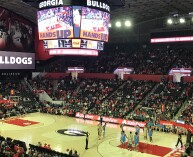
{"points": [[129, 99]]}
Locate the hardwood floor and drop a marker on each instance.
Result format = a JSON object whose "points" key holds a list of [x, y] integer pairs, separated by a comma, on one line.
{"points": [[45, 131]]}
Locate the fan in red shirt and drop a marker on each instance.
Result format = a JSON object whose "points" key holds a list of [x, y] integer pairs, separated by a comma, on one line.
{"points": [[16, 154], [16, 147], [20, 151]]}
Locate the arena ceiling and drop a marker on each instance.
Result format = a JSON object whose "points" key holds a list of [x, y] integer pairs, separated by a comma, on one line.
{"points": [[143, 10], [137, 10]]}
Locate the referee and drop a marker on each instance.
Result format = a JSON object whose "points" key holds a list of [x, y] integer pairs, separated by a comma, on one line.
{"points": [[87, 138], [179, 140]]}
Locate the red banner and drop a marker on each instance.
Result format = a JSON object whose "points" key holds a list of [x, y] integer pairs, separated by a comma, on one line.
{"points": [[111, 120]]}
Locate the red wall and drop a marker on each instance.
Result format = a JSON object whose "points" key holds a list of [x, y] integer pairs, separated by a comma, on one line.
{"points": [[188, 78], [97, 75], [155, 78], [55, 75]]}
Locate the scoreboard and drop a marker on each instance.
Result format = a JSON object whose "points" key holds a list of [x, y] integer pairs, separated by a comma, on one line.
{"points": [[75, 25]]}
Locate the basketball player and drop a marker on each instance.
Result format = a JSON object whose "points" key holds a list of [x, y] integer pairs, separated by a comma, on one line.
{"points": [[138, 129], [136, 140], [145, 132], [99, 131], [121, 126], [123, 139], [150, 133], [101, 120], [104, 129], [130, 141]]}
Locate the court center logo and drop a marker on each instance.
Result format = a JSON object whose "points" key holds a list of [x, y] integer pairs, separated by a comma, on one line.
{"points": [[71, 132]]}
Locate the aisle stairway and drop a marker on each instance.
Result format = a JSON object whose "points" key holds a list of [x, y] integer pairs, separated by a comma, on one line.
{"points": [[184, 106], [28, 93]]}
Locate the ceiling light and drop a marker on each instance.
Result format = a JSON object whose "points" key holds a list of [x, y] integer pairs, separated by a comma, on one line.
{"points": [[118, 24], [182, 20], [170, 21], [127, 23]]}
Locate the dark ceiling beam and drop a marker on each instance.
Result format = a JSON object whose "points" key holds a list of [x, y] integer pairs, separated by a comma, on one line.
{"points": [[188, 6], [117, 3], [174, 5]]}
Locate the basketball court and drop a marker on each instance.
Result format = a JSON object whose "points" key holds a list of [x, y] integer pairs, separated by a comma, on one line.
{"points": [[63, 132]]}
